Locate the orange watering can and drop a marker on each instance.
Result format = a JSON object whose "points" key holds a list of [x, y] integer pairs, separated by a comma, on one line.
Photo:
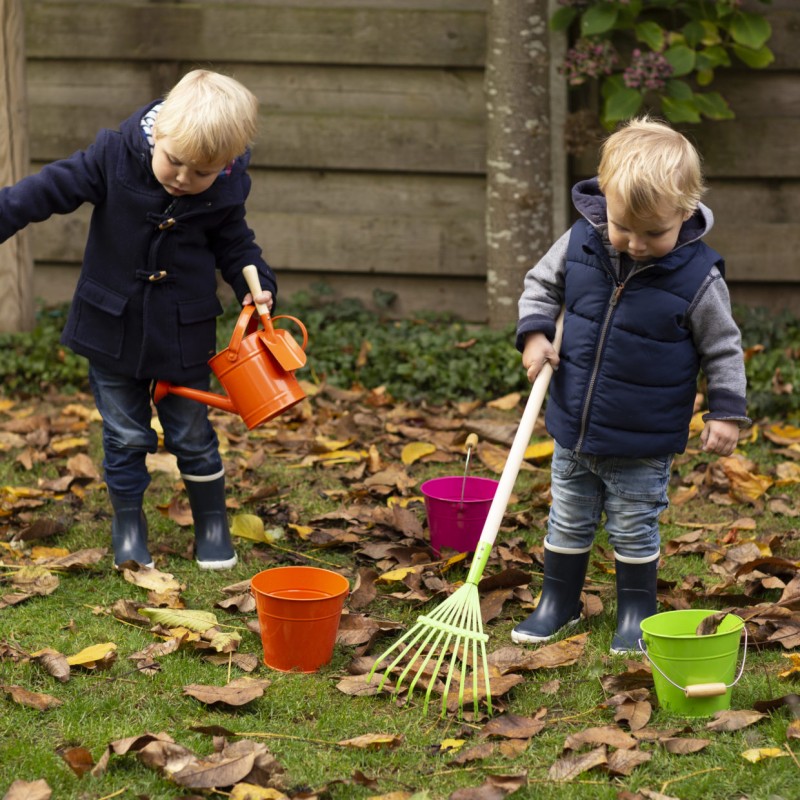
{"points": [[256, 369]]}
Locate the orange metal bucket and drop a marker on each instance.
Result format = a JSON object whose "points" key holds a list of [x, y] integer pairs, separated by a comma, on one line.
{"points": [[299, 609]]}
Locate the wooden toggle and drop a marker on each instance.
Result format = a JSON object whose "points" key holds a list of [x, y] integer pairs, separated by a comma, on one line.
{"points": [[705, 690]]}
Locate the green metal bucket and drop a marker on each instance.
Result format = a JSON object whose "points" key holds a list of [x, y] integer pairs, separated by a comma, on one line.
{"points": [[693, 675]]}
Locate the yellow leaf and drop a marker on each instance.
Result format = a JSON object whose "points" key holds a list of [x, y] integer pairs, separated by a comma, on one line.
{"points": [[696, 424], [199, 621], [539, 450], [451, 744], [64, 444], [404, 502], [248, 526], [330, 445], [303, 531], [795, 668], [90, 655], [399, 574], [505, 403], [785, 431], [416, 450], [372, 741], [757, 754], [249, 791]]}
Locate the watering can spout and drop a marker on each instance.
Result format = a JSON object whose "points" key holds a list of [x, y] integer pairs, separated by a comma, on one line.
{"points": [[163, 388]]}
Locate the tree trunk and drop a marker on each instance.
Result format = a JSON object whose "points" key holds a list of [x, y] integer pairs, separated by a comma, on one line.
{"points": [[16, 264], [520, 180]]}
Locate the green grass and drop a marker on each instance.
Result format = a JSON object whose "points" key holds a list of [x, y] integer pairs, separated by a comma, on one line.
{"points": [[302, 717]]}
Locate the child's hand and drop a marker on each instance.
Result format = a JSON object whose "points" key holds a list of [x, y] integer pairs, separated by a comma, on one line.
{"points": [[720, 436], [537, 352], [264, 298]]}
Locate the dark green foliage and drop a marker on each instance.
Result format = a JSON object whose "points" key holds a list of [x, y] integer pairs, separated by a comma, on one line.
{"points": [[430, 356]]}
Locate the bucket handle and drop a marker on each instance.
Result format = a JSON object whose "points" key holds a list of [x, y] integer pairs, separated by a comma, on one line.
{"points": [[700, 689]]}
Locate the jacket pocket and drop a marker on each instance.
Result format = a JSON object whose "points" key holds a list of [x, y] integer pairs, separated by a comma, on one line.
{"points": [[197, 329], [99, 322]]}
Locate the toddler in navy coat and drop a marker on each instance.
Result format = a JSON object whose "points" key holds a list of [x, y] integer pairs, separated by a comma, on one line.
{"points": [[168, 190]]}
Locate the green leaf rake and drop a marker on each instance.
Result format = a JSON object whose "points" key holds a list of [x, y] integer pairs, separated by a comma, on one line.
{"points": [[454, 630]]}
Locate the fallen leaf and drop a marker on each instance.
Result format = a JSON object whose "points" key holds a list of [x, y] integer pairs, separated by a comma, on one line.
{"points": [[78, 759], [575, 764], [237, 693], [414, 451], [756, 754], [373, 741], [23, 697], [199, 621], [734, 720], [98, 655], [28, 790]]}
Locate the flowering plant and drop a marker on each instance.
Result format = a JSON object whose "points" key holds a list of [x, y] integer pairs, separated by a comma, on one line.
{"points": [[660, 53]]}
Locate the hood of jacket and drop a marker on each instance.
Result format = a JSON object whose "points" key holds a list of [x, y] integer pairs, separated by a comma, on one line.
{"points": [[590, 202]]}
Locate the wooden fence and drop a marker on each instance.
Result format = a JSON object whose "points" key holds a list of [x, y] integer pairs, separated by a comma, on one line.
{"points": [[369, 173]]}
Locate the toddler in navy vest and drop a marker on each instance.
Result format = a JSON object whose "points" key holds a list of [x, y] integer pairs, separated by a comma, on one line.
{"points": [[645, 309], [168, 190]]}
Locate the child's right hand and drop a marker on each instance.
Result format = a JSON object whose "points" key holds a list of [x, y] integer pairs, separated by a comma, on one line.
{"points": [[537, 352]]}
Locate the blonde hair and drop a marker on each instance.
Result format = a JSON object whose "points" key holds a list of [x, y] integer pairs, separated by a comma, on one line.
{"points": [[209, 118], [647, 163]]}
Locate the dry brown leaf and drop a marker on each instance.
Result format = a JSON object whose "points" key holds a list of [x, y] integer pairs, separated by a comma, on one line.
{"points": [[681, 746], [623, 762], [237, 693], [54, 663], [606, 734], [78, 759], [575, 764], [37, 700], [511, 726], [734, 720], [477, 753], [28, 790], [373, 741]]}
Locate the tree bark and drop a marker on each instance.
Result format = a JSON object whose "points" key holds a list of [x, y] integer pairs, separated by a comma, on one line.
{"points": [[16, 264], [519, 202]]}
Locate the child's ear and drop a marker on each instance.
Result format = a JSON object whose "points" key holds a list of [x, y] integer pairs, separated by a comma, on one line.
{"points": [[687, 215]]}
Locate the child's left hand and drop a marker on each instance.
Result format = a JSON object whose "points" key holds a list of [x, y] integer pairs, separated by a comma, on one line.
{"points": [[720, 436], [264, 298]]}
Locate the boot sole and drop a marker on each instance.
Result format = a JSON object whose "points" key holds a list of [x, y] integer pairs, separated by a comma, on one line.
{"points": [[226, 564], [530, 638]]}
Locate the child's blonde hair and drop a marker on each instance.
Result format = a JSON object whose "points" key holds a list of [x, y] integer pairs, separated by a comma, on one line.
{"points": [[647, 163], [210, 118]]}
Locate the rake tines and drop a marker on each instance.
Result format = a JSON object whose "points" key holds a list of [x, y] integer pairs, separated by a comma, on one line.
{"points": [[454, 627]]}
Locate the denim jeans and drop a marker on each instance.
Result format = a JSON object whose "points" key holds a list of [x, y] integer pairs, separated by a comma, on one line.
{"points": [[125, 405], [631, 491]]}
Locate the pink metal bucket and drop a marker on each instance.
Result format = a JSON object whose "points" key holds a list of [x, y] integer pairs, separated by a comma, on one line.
{"points": [[454, 522]]}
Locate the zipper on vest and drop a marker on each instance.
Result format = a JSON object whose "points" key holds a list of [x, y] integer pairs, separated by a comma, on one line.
{"points": [[601, 343]]}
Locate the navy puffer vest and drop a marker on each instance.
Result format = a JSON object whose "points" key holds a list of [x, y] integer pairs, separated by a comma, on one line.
{"points": [[628, 376]]}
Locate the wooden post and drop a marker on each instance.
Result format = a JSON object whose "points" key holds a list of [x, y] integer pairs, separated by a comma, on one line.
{"points": [[16, 264], [519, 181]]}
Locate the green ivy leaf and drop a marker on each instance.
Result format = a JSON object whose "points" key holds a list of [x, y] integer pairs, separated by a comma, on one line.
{"points": [[757, 59], [621, 102], [681, 58], [713, 105], [562, 18], [710, 33], [715, 56], [598, 19], [704, 77], [694, 32], [750, 30], [679, 90], [652, 34], [680, 110]]}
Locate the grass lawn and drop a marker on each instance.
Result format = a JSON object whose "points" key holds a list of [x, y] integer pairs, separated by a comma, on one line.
{"points": [[335, 486]]}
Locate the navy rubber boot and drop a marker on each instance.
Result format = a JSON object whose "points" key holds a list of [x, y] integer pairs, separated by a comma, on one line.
{"points": [[560, 603], [213, 548], [129, 531], [636, 600]]}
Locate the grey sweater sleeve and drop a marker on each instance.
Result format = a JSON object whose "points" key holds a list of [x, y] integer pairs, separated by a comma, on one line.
{"points": [[543, 293], [719, 344]]}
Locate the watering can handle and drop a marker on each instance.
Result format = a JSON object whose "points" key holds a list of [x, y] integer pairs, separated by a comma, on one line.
{"points": [[239, 332], [251, 276]]}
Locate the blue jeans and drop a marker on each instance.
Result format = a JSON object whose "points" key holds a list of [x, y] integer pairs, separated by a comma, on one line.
{"points": [[125, 405], [631, 491]]}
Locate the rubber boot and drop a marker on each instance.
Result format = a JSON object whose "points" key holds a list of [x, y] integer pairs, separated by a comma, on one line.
{"points": [[560, 603], [129, 531], [213, 548], [636, 599]]}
